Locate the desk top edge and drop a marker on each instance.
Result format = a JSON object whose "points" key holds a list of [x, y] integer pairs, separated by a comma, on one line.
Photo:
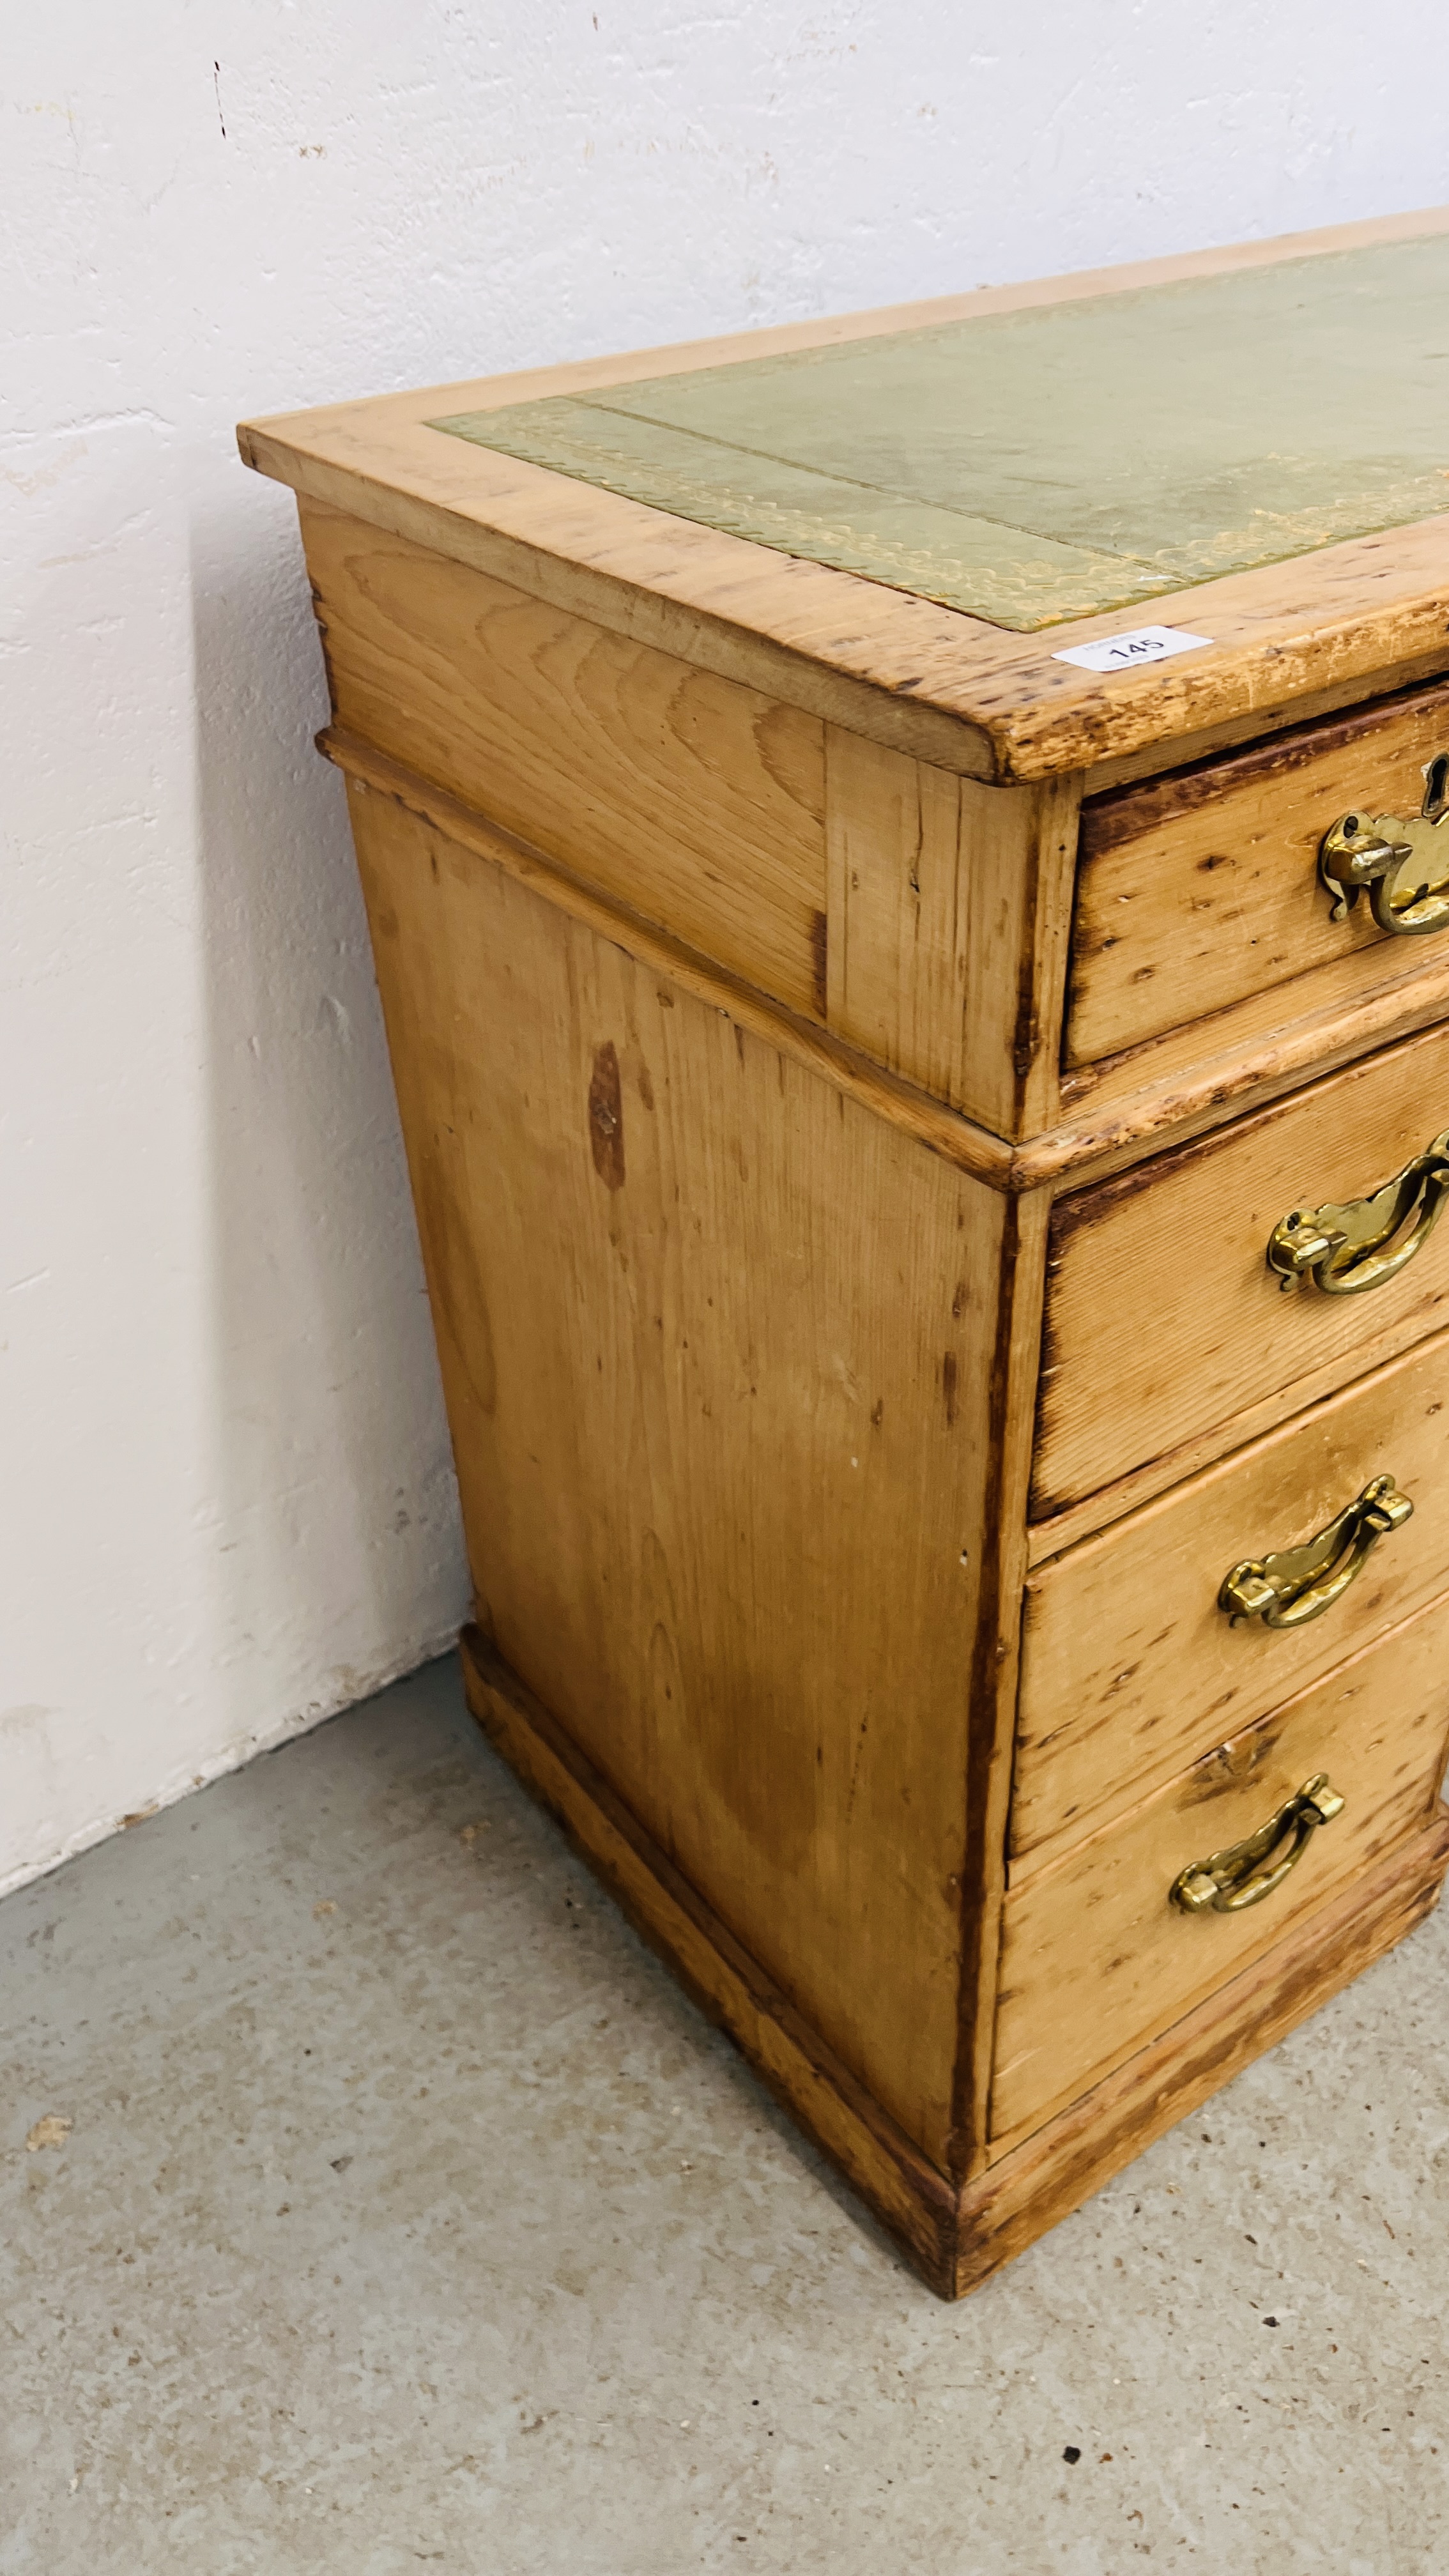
{"points": [[1354, 612]]}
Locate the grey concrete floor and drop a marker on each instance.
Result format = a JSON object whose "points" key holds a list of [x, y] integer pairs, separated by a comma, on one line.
{"points": [[407, 2213]]}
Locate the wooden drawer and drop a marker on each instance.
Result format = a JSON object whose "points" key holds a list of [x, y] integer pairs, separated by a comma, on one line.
{"points": [[1162, 1317], [1127, 1661], [1096, 1960], [1202, 889]]}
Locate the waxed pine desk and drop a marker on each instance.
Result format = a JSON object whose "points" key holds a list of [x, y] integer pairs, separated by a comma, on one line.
{"points": [[905, 868]]}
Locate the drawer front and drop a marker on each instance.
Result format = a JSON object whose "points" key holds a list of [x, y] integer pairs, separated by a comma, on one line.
{"points": [[1096, 1960], [1163, 1319], [1201, 890], [1128, 1663]]}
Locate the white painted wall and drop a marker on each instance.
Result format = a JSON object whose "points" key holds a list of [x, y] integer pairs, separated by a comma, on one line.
{"points": [[227, 1498]]}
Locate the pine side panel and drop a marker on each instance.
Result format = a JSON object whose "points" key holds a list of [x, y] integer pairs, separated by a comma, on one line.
{"points": [[915, 2201], [949, 909], [695, 799], [718, 1348], [944, 1131]]}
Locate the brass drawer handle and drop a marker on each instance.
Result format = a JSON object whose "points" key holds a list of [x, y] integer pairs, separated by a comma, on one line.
{"points": [[1404, 865], [1227, 1882], [1300, 1583], [1342, 1250]]}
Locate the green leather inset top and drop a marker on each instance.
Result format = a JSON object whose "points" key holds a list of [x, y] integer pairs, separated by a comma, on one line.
{"points": [[1051, 463]]}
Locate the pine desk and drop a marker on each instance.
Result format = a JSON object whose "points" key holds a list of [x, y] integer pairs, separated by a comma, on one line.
{"points": [[905, 867]]}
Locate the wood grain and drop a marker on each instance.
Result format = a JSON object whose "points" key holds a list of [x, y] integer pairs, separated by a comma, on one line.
{"points": [[1034, 2182], [954, 2240], [1403, 999], [1051, 1538], [904, 2190], [1262, 724], [1128, 1664], [1094, 1959], [1163, 1319], [1202, 889], [1195, 1074], [995, 1667], [948, 905], [928, 681], [701, 805], [967, 1147], [697, 801], [721, 905], [721, 1414]]}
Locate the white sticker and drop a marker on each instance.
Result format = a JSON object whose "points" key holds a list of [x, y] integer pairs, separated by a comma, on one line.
{"points": [[1124, 652]]}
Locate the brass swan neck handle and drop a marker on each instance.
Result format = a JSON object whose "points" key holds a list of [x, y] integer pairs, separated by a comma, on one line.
{"points": [[1402, 864], [1343, 1250], [1297, 1584], [1229, 1881]]}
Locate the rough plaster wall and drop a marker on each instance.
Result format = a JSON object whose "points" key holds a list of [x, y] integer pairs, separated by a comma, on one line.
{"points": [[227, 1494]]}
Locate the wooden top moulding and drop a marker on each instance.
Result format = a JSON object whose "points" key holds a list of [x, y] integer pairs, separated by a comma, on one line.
{"points": [[1289, 637]]}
